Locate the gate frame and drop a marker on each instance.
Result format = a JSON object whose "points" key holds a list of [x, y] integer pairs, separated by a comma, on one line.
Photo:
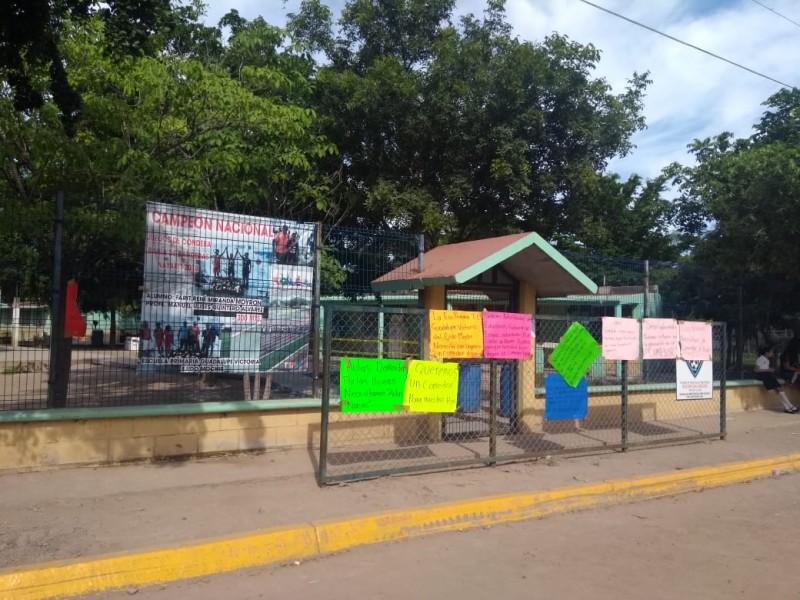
{"points": [[492, 458]]}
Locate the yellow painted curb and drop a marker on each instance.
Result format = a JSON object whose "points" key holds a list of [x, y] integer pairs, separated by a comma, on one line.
{"points": [[149, 567], [217, 555]]}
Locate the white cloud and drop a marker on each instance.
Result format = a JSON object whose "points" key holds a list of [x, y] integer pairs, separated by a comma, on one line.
{"points": [[693, 95]]}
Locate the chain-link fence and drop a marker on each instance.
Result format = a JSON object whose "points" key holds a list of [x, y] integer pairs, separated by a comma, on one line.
{"points": [[171, 306], [501, 406]]}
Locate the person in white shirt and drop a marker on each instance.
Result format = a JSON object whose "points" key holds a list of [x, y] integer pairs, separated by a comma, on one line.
{"points": [[766, 374]]}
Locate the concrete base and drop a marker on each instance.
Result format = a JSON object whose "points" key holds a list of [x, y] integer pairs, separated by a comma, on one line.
{"points": [[103, 440]]}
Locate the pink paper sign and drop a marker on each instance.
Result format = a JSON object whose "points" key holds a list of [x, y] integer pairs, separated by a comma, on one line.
{"points": [[659, 338], [620, 338], [695, 340], [506, 335]]}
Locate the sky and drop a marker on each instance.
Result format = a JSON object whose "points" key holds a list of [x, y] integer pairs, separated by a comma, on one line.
{"points": [[693, 95]]}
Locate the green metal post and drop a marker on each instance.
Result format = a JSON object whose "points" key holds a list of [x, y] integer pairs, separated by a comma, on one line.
{"points": [[326, 396], [624, 406], [492, 411]]}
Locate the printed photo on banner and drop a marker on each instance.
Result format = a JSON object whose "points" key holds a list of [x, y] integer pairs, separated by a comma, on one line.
{"points": [[225, 292]]}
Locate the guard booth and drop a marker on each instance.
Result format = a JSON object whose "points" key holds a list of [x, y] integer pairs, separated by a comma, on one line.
{"points": [[505, 274]]}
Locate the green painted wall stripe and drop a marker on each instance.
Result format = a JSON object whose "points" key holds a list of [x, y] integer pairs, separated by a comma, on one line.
{"points": [[160, 410]]}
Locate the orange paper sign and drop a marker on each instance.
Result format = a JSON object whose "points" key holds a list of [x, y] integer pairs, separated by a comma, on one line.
{"points": [[456, 334]]}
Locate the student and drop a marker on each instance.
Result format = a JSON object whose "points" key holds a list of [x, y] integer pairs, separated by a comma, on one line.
{"points": [[169, 340], [246, 269], [183, 336], [280, 245], [194, 338], [216, 263], [767, 376], [232, 265], [790, 362], [159, 335], [293, 253], [209, 337]]}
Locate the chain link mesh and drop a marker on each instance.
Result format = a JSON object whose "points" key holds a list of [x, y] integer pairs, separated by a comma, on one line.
{"points": [[500, 414]]}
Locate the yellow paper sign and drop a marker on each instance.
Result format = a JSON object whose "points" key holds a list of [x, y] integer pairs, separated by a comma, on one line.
{"points": [[431, 387], [456, 334]]}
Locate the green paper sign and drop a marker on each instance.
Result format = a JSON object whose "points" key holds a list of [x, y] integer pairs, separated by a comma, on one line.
{"points": [[371, 385], [574, 354]]}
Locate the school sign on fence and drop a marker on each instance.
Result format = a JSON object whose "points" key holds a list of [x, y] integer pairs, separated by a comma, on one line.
{"points": [[224, 292]]}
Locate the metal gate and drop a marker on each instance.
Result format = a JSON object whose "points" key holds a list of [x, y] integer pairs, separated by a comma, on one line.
{"points": [[500, 414]]}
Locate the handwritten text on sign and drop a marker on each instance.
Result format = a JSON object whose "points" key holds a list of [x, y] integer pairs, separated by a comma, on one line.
{"points": [[659, 338], [506, 335], [456, 334], [574, 354], [620, 338], [431, 387], [695, 338], [371, 384]]}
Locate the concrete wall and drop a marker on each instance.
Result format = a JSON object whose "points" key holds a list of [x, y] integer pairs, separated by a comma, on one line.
{"points": [[49, 443]]}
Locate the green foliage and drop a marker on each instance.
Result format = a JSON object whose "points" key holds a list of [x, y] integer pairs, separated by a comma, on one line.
{"points": [[332, 274], [31, 61], [621, 218], [463, 131], [25, 231], [214, 126], [739, 209]]}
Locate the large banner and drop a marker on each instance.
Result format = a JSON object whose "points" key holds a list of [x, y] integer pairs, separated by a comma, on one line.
{"points": [[225, 292]]}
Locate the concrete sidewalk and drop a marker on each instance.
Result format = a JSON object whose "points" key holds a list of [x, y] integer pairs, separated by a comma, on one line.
{"points": [[73, 513]]}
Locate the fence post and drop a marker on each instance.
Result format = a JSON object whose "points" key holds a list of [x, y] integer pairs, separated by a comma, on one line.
{"points": [[56, 394], [492, 412], [624, 407], [326, 396], [315, 309], [645, 311], [723, 386], [381, 334]]}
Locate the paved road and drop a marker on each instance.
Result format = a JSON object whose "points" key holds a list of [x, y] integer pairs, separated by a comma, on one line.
{"points": [[734, 542]]}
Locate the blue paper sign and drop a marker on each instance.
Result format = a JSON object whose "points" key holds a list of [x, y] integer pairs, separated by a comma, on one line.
{"points": [[562, 401]]}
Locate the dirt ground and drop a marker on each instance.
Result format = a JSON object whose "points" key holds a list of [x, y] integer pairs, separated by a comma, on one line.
{"points": [[737, 542], [70, 513], [107, 376]]}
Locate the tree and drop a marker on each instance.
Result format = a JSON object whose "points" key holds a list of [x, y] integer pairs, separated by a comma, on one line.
{"points": [[172, 127], [741, 203], [460, 131], [628, 218], [739, 210], [30, 37]]}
